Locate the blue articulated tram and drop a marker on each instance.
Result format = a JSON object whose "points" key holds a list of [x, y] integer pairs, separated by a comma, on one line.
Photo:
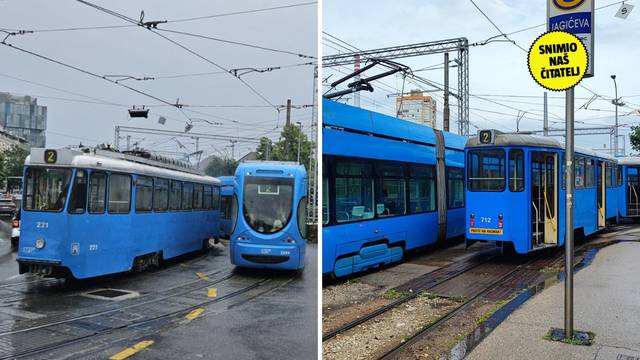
{"points": [[226, 205], [516, 191], [92, 212], [389, 186], [270, 228]]}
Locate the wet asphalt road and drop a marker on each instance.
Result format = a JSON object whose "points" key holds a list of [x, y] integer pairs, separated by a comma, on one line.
{"points": [[274, 319], [8, 265]]}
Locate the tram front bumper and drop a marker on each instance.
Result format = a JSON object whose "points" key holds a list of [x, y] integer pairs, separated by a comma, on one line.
{"points": [[266, 256]]}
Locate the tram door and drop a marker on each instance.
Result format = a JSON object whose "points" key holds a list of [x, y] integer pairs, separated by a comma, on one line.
{"points": [[602, 193], [544, 199], [633, 191]]}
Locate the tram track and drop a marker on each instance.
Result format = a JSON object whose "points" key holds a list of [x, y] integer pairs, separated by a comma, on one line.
{"points": [[414, 293], [174, 313]]}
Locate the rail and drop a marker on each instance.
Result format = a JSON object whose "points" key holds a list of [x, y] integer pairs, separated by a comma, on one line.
{"points": [[636, 194], [548, 208]]}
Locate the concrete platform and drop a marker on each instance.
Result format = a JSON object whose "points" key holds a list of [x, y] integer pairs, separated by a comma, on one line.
{"points": [[607, 302]]}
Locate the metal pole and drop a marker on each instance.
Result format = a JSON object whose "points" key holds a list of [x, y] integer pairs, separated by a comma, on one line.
{"points": [[615, 132], [116, 140], [445, 111], [356, 67], [568, 242], [288, 112], [299, 141], [545, 126]]}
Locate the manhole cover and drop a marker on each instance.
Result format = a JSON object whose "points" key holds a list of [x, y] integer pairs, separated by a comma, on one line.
{"points": [[111, 294]]}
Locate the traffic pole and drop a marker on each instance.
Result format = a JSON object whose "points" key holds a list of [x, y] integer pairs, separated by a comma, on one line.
{"points": [[568, 242]]}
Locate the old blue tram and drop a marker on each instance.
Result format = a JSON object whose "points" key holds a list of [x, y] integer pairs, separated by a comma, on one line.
{"points": [[515, 190], [389, 186], [91, 212], [270, 228], [226, 205], [629, 168]]}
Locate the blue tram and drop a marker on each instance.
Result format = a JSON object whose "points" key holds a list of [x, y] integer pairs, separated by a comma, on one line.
{"points": [[515, 190], [628, 200], [92, 212], [389, 186], [226, 205], [270, 228]]}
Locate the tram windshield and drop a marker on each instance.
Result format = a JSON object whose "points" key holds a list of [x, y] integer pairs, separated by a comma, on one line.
{"points": [[267, 203], [46, 188], [486, 170]]}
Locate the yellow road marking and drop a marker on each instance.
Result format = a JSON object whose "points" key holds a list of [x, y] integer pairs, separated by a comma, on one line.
{"points": [[194, 314], [202, 276], [212, 292], [132, 350]]}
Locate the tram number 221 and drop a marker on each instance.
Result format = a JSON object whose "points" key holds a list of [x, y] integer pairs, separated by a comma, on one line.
{"points": [[485, 220]]}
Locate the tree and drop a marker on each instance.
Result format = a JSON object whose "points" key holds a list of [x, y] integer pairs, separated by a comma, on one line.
{"points": [[634, 137], [218, 166], [286, 149], [13, 161]]}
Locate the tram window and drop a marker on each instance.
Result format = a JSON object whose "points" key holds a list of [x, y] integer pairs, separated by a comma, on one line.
{"points": [[455, 188], [225, 208], [619, 176], [609, 173], [206, 199], [215, 201], [391, 197], [563, 166], [160, 195], [187, 196], [78, 199], [589, 173], [119, 194], [325, 198], [175, 195], [516, 170], [197, 196], [579, 172], [144, 193], [486, 170], [422, 189], [46, 189], [97, 192], [302, 217], [354, 191]]}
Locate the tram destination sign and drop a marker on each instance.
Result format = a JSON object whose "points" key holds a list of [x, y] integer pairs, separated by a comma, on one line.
{"points": [[575, 17]]}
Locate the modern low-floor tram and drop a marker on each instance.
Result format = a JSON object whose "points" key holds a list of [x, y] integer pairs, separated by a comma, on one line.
{"points": [[515, 190], [269, 229], [389, 186], [88, 213]]}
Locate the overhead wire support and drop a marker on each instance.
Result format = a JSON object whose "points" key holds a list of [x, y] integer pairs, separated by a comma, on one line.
{"points": [[184, 47], [459, 45]]}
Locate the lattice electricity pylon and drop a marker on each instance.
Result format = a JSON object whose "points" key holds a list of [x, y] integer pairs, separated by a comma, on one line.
{"points": [[461, 45]]}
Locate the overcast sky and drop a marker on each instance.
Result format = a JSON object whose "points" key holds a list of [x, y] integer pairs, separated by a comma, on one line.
{"points": [[137, 52], [498, 68]]}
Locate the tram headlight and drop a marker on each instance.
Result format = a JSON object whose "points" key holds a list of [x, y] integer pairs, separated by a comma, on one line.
{"points": [[40, 243], [500, 221], [242, 238], [290, 240]]}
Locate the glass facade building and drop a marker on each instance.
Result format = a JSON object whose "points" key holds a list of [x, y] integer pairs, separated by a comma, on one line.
{"points": [[22, 116]]}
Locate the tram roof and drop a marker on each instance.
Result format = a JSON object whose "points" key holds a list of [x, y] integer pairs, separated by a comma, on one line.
{"points": [[226, 180], [113, 161], [521, 139], [271, 167], [371, 122]]}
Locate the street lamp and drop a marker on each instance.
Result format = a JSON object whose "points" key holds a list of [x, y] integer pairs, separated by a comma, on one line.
{"points": [[616, 102], [299, 139]]}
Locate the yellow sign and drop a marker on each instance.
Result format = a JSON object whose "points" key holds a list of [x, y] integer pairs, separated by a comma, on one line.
{"points": [[558, 60], [484, 231]]}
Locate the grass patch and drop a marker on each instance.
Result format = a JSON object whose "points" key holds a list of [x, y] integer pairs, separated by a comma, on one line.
{"points": [[499, 305], [392, 294], [557, 268], [554, 336]]}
